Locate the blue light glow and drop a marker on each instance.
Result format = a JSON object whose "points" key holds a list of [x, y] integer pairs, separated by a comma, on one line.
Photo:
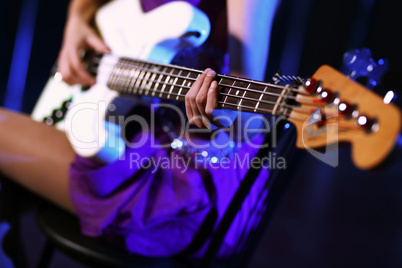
{"points": [[20, 59]]}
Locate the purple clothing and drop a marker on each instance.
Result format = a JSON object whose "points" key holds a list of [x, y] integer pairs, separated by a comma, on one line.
{"points": [[156, 209], [156, 212], [148, 5]]}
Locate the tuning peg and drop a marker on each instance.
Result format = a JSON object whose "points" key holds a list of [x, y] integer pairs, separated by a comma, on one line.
{"points": [[369, 124], [313, 86], [348, 110]]}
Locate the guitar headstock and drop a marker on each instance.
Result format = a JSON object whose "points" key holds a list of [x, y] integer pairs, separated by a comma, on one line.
{"points": [[334, 109]]}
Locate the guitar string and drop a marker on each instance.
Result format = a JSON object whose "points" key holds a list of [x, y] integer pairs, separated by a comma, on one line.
{"points": [[124, 89], [143, 80], [181, 68], [127, 82], [93, 70], [126, 63], [130, 63]]}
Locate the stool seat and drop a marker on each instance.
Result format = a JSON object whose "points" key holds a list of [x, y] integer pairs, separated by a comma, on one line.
{"points": [[63, 232]]}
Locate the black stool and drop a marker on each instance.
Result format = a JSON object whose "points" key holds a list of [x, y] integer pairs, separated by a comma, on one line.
{"points": [[62, 231]]}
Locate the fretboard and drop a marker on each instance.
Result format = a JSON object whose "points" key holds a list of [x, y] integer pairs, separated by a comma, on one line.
{"points": [[172, 82]]}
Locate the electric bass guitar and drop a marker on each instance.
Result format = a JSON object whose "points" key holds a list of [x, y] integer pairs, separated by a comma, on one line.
{"points": [[328, 108]]}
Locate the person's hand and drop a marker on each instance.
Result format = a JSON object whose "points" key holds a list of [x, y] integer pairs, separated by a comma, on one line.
{"points": [[202, 103], [78, 36], [202, 99]]}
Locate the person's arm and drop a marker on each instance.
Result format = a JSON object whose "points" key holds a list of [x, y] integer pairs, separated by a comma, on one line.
{"points": [[79, 36], [249, 28]]}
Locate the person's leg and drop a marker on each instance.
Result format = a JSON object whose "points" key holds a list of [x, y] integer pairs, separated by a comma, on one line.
{"points": [[36, 156]]}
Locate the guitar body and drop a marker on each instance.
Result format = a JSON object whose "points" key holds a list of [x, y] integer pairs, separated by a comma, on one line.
{"points": [[154, 36]]}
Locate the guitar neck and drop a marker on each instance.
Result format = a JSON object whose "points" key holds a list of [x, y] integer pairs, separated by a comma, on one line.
{"points": [[172, 82]]}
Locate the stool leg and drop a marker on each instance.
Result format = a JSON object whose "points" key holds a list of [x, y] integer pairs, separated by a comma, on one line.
{"points": [[46, 256]]}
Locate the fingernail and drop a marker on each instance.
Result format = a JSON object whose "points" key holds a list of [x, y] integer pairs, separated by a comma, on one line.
{"points": [[211, 73], [213, 84]]}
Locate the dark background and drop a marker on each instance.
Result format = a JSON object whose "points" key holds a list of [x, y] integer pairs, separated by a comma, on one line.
{"points": [[328, 217]]}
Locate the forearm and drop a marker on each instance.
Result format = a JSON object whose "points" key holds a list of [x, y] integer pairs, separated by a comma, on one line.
{"points": [[249, 28]]}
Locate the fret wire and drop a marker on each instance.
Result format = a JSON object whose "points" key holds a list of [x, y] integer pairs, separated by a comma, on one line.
{"points": [[112, 77], [273, 86], [253, 90], [138, 81], [131, 75], [134, 79], [120, 80], [173, 85], [152, 80], [238, 79], [225, 85], [125, 80], [166, 83], [244, 93], [264, 101], [117, 77], [124, 76], [144, 82], [247, 98], [128, 78], [279, 101], [182, 85], [229, 77], [260, 98], [157, 83], [228, 92], [142, 79], [260, 110]]}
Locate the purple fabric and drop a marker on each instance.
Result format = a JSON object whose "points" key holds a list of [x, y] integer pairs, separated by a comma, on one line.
{"points": [[148, 5], [156, 213]]}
